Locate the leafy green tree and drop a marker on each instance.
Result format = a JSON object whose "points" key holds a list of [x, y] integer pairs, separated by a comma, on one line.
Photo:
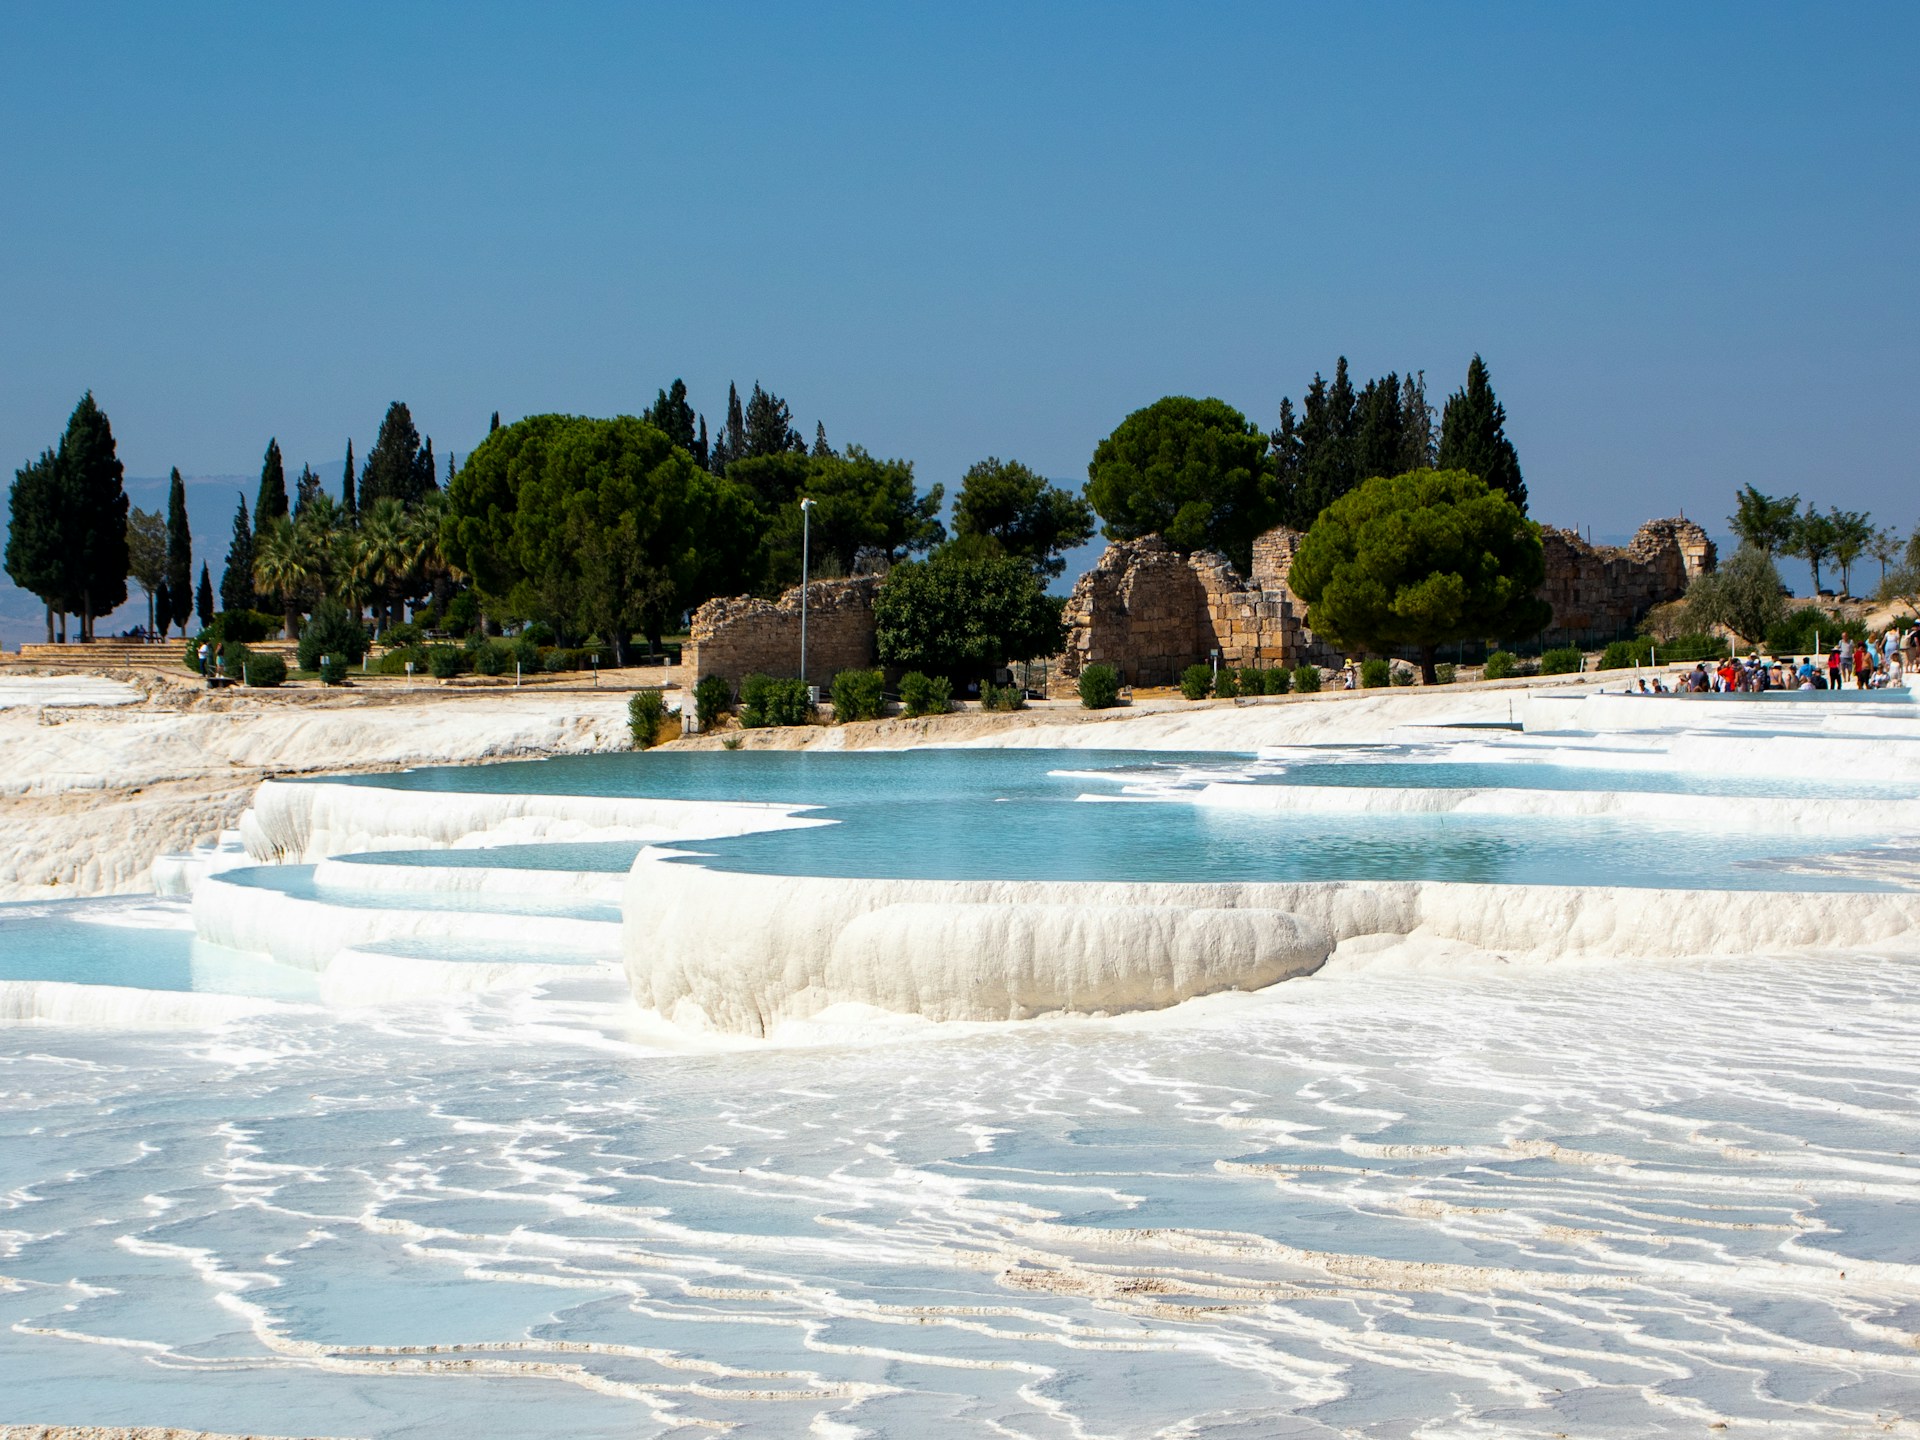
{"points": [[1812, 539], [1189, 470], [271, 503], [147, 556], [1743, 595], [94, 498], [598, 524], [1852, 534], [1764, 521], [1418, 560], [179, 552], [862, 506], [306, 491], [331, 631], [1005, 502], [38, 559], [964, 616], [393, 466], [236, 580], [1473, 436]]}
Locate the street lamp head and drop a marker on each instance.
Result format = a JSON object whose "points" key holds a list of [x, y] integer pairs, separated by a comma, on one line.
{"points": [[806, 504]]}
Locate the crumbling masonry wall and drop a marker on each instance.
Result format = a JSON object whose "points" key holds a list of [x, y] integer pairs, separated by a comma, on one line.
{"points": [[1150, 612], [734, 638], [1602, 591]]}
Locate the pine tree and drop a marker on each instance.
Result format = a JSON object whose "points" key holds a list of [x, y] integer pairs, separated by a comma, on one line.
{"points": [[179, 551], [1416, 424], [94, 494], [494, 424], [700, 453], [1473, 436], [271, 503], [767, 427], [236, 581], [349, 502], [203, 599], [392, 468], [732, 444], [38, 557], [820, 446]]}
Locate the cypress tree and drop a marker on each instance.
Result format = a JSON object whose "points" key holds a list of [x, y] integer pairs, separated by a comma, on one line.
{"points": [[732, 444], [38, 558], [451, 472], [700, 452], [494, 424], [348, 502], [1473, 436], [203, 601], [1416, 424], [392, 468], [179, 551], [820, 446], [271, 503], [236, 581], [674, 416], [425, 481], [163, 608], [95, 497]]}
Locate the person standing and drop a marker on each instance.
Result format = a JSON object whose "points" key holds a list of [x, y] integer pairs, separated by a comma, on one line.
{"points": [[204, 654]]}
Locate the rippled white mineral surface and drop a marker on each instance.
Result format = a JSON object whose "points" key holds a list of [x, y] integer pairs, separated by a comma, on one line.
{"points": [[1397, 1198]]}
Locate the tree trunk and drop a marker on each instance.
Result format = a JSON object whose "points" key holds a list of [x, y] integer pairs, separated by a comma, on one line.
{"points": [[63, 627], [49, 624], [1427, 674], [290, 621], [86, 615]]}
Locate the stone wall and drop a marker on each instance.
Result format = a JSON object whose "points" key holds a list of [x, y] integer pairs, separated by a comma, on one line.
{"points": [[1601, 591], [738, 637], [1150, 612]]}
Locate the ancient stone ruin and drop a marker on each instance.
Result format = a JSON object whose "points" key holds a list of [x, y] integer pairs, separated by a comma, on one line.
{"points": [[745, 636], [1150, 612], [1600, 592]]}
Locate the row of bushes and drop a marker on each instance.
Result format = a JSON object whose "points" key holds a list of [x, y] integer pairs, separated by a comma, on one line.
{"points": [[1197, 682]]}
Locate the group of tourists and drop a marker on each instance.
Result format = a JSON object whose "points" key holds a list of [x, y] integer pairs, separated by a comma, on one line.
{"points": [[1870, 664]]}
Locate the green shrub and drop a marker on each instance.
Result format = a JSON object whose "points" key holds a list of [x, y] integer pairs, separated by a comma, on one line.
{"points": [[1625, 654], [553, 661], [923, 694], [767, 701], [1500, 664], [1252, 681], [1003, 697], [245, 626], [1443, 674], [333, 669], [1099, 687], [1279, 680], [524, 653], [1226, 685], [858, 695], [444, 661], [712, 698], [1306, 679], [1375, 673], [463, 613], [538, 632], [646, 717], [331, 631], [1196, 681], [406, 632], [1402, 675], [491, 659], [1563, 660], [476, 642], [259, 671], [394, 662]]}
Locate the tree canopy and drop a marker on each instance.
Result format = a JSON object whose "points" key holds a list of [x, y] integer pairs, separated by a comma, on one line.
{"points": [[271, 502], [600, 524], [398, 465], [1743, 595], [1418, 560], [1190, 470], [1764, 521], [236, 579], [1004, 502], [179, 552], [862, 506], [1473, 436], [959, 615], [1342, 437]]}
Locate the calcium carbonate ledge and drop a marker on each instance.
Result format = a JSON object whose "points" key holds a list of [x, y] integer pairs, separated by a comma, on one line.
{"points": [[741, 953]]}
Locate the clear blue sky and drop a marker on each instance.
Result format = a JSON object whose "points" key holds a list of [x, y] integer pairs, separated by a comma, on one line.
{"points": [[1684, 237]]}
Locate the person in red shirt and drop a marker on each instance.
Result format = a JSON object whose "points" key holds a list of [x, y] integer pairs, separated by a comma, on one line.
{"points": [[1833, 668]]}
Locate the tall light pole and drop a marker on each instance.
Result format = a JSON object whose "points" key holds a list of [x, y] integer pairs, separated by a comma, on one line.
{"points": [[806, 519]]}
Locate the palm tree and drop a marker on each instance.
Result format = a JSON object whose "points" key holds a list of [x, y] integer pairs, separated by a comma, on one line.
{"points": [[284, 565], [385, 554]]}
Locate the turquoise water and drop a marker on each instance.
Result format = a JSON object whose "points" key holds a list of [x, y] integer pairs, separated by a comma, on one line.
{"points": [[297, 881], [77, 942], [1022, 815]]}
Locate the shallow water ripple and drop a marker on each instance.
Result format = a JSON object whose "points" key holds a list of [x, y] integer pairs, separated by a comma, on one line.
{"points": [[1622, 1201]]}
